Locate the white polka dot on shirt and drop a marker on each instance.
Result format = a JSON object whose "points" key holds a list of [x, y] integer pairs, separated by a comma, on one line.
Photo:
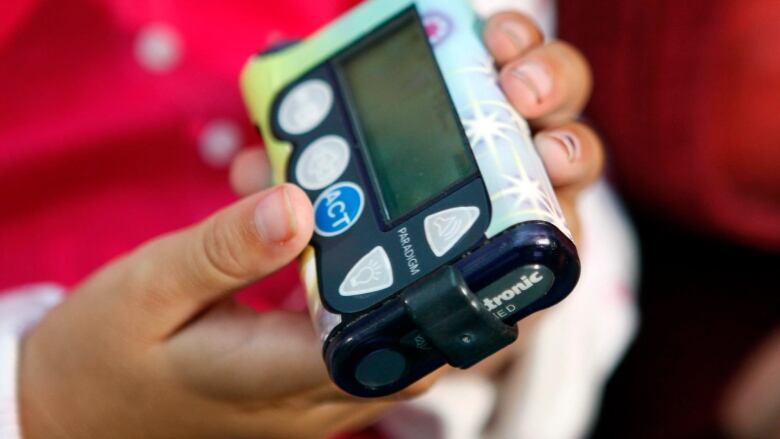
{"points": [[158, 47], [219, 141]]}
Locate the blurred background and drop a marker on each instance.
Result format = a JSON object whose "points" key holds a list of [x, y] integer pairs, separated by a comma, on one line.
{"points": [[686, 99], [122, 115]]}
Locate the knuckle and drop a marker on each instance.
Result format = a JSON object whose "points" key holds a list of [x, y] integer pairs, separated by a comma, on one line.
{"points": [[569, 52], [146, 279], [510, 34], [223, 251], [579, 66], [570, 61]]}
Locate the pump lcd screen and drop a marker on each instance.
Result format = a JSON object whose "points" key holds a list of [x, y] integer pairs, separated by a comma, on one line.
{"points": [[404, 117]]}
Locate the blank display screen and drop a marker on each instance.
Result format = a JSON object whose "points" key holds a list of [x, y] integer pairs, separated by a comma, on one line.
{"points": [[404, 117]]}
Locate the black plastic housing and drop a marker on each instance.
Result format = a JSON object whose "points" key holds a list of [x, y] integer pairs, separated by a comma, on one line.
{"points": [[393, 327]]}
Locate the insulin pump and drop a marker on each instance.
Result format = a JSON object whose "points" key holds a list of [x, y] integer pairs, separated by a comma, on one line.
{"points": [[436, 227]]}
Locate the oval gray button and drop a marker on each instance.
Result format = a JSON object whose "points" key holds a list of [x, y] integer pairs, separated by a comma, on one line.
{"points": [[305, 106], [322, 162]]}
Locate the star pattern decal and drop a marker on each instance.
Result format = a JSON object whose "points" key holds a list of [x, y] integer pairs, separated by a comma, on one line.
{"points": [[501, 141]]}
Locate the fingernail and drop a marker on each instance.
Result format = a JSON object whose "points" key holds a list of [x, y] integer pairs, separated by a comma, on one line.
{"points": [[534, 76], [558, 146], [516, 33], [274, 216]]}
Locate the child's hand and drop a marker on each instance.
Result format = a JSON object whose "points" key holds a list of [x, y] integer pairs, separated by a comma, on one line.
{"points": [[152, 346]]}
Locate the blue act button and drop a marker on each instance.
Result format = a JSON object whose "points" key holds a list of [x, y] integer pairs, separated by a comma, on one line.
{"points": [[338, 208]]}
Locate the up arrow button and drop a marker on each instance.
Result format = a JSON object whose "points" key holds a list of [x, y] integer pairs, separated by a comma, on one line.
{"points": [[444, 229]]}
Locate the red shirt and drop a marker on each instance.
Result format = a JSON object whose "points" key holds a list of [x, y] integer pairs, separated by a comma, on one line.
{"points": [[687, 96], [118, 120]]}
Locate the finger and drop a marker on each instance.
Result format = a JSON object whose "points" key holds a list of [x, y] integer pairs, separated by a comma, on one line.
{"points": [[572, 155], [224, 355], [172, 279], [357, 417], [568, 203], [549, 85], [509, 35], [250, 172], [422, 386], [751, 408], [320, 421]]}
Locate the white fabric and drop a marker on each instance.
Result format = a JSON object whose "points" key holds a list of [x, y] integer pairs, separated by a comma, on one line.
{"points": [[580, 341], [458, 407], [19, 311], [554, 390]]}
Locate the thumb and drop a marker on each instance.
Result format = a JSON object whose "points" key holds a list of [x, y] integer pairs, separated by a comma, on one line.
{"points": [[170, 280]]}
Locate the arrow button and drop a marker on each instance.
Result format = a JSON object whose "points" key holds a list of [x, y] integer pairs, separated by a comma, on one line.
{"points": [[444, 229], [372, 273]]}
